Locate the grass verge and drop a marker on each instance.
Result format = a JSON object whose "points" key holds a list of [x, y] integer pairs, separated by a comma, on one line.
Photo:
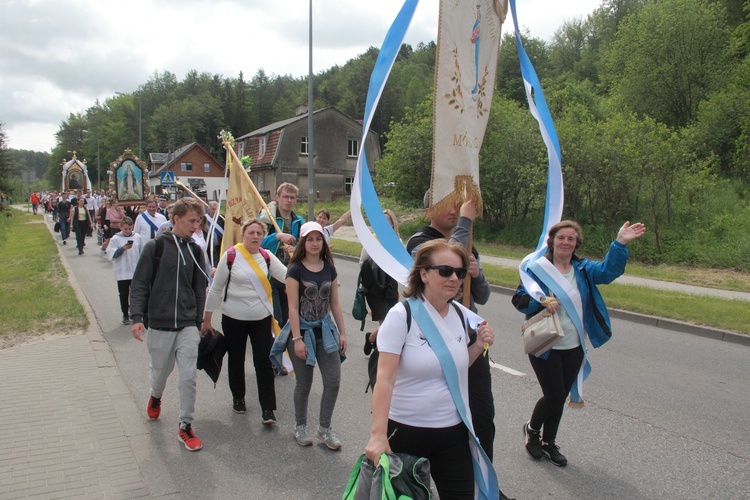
{"points": [[731, 315], [36, 298]]}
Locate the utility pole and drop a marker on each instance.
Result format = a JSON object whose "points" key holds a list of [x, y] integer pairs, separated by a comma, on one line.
{"points": [[310, 150]]}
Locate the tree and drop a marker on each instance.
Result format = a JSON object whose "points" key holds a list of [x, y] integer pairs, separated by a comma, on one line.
{"points": [[668, 56], [406, 165], [5, 161]]}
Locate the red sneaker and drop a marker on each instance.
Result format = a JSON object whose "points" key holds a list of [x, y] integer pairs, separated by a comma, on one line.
{"points": [[188, 438], [154, 407]]}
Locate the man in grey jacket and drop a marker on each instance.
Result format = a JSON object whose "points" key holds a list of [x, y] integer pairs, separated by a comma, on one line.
{"points": [[168, 293]]}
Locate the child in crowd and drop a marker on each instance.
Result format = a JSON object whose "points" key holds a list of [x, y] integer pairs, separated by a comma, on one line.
{"points": [[124, 250]]}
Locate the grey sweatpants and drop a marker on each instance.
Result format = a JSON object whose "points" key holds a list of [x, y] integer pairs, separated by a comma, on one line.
{"points": [[167, 347], [330, 371]]}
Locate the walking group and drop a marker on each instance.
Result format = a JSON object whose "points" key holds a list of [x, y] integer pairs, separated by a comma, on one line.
{"points": [[429, 364]]}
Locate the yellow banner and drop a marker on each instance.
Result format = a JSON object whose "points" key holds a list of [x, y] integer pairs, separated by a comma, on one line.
{"points": [[243, 201]]}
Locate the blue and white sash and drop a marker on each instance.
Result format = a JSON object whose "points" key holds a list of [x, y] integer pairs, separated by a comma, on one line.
{"points": [[435, 331], [571, 300], [151, 223]]}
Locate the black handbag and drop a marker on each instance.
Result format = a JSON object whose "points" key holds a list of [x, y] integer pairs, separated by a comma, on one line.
{"points": [[57, 227]]}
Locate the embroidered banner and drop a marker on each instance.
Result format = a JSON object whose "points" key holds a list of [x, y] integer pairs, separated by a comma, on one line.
{"points": [[243, 200], [466, 61]]}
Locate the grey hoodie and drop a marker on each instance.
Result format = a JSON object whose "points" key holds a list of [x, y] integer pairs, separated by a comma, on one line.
{"points": [[179, 287]]}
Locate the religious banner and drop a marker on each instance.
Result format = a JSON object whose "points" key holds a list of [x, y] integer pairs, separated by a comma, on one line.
{"points": [[468, 43], [243, 200], [129, 178]]}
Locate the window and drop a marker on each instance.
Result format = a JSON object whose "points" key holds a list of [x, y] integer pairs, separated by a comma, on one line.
{"points": [[241, 149], [262, 182], [206, 167], [186, 167], [352, 147], [303, 145], [349, 182], [261, 146]]}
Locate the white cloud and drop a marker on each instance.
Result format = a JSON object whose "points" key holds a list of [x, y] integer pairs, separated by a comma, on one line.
{"points": [[58, 56]]}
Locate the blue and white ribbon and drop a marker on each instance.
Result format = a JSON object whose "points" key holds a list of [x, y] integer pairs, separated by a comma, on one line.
{"points": [[386, 250], [554, 203]]}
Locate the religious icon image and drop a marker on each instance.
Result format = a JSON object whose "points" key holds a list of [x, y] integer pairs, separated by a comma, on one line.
{"points": [[128, 177], [75, 180]]}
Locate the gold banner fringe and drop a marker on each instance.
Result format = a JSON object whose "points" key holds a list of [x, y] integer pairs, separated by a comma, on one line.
{"points": [[464, 189]]}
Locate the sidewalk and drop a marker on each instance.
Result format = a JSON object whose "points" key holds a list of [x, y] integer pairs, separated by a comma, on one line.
{"points": [[347, 233], [70, 426]]}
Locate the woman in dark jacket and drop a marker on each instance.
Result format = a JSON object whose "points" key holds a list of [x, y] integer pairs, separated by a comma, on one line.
{"points": [[80, 219], [574, 280]]}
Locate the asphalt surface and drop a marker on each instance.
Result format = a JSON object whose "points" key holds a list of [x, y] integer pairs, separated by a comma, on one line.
{"points": [[666, 415]]}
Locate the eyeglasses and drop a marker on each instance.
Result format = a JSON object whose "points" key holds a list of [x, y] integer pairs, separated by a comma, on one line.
{"points": [[447, 271]]}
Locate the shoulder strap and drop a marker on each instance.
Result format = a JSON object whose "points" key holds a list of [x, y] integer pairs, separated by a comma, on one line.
{"points": [[157, 257], [408, 314], [266, 257], [231, 255]]}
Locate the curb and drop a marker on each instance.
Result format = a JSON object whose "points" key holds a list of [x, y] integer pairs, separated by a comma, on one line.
{"points": [[155, 474], [644, 319]]}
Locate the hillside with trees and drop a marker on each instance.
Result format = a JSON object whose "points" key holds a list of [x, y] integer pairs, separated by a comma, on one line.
{"points": [[651, 100]]}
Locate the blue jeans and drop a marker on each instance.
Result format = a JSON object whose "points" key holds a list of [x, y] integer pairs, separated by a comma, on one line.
{"points": [[64, 227]]}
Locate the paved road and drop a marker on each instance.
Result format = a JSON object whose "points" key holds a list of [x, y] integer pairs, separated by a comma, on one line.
{"points": [[666, 416]]}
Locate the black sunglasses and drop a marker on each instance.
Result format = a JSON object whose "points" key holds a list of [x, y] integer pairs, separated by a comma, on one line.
{"points": [[447, 271]]}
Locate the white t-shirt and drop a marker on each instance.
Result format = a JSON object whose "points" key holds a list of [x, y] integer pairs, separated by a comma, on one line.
{"points": [[421, 396], [571, 338]]}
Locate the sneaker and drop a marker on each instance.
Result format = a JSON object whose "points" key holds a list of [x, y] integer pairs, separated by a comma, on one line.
{"points": [[329, 438], [301, 435], [154, 407], [552, 451], [239, 405], [125, 320], [268, 417], [187, 436], [533, 441], [65, 242], [282, 372], [368, 344]]}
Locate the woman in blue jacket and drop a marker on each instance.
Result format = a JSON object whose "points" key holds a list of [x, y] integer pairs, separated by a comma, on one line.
{"points": [[574, 281]]}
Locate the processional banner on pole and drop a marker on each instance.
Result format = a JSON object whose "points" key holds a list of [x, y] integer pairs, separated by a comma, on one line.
{"points": [[468, 42]]}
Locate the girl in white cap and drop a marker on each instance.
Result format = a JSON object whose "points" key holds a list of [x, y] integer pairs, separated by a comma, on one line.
{"points": [[314, 337]]}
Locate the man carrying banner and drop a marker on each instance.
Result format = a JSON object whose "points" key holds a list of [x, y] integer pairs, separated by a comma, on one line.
{"points": [[455, 225], [281, 242]]}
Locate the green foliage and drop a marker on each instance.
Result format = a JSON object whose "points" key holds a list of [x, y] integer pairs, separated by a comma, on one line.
{"points": [[405, 169], [668, 56]]}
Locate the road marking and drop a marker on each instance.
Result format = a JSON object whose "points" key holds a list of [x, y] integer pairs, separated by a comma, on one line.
{"points": [[507, 370]]}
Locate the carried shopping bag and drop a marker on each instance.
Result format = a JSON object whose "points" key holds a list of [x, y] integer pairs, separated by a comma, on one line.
{"points": [[398, 476]]}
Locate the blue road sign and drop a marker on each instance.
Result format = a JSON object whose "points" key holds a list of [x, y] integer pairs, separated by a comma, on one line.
{"points": [[167, 179]]}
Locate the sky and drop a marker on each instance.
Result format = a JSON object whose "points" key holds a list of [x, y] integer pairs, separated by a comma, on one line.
{"points": [[59, 56]]}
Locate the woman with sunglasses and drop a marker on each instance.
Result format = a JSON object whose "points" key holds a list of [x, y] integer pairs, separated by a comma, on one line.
{"points": [[413, 409], [576, 278], [314, 338]]}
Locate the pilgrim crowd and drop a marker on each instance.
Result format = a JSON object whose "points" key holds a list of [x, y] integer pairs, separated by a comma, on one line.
{"points": [[278, 288]]}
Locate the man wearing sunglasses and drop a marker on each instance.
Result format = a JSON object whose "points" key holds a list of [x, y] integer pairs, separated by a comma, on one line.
{"points": [[455, 225]]}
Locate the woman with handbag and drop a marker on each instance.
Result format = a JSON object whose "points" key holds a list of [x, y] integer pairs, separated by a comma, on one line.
{"points": [[415, 407], [583, 309], [80, 219]]}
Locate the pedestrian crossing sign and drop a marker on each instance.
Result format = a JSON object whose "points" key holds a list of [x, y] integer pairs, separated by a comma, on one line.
{"points": [[167, 179]]}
